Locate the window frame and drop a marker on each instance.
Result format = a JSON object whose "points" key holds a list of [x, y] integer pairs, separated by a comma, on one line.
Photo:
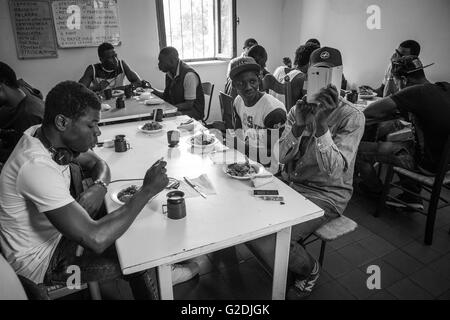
{"points": [[162, 35]]}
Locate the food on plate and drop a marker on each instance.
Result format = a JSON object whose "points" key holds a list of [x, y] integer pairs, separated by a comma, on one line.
{"points": [[241, 169], [139, 90], [116, 93], [203, 139], [365, 91], [126, 194], [151, 126]]}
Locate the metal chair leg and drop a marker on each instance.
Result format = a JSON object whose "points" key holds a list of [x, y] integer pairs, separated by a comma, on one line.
{"points": [[322, 252], [431, 216], [386, 187], [94, 290]]}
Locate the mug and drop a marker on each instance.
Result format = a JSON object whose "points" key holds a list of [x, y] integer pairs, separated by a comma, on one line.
{"points": [[120, 144], [353, 96], [120, 104], [128, 91], [173, 137], [159, 115], [176, 206], [107, 93]]}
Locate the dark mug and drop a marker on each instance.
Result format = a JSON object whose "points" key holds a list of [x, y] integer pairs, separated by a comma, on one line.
{"points": [[353, 96], [159, 115], [107, 93], [173, 137], [128, 91], [176, 206], [120, 104], [120, 144]]}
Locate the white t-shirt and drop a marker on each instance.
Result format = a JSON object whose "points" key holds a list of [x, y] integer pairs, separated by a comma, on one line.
{"points": [[31, 183], [252, 118]]}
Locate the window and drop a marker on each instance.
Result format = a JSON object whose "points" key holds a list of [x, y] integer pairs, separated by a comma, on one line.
{"points": [[199, 29]]}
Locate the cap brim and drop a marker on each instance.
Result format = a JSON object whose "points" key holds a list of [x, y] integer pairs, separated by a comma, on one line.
{"points": [[247, 67], [324, 64]]}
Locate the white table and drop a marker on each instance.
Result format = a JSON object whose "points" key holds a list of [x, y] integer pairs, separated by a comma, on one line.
{"points": [[231, 217]]}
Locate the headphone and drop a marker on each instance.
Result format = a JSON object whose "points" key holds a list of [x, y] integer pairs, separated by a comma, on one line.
{"points": [[62, 156]]}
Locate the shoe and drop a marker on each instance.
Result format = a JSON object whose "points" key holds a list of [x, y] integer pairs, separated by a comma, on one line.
{"points": [[303, 288], [413, 202], [184, 272]]}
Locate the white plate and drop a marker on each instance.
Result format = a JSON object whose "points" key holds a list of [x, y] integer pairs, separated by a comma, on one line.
{"points": [[200, 146], [149, 131], [116, 191], [373, 95], [154, 101], [258, 168], [116, 93], [105, 107]]}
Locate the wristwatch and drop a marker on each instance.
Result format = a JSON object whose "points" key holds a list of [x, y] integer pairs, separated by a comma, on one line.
{"points": [[102, 183]]}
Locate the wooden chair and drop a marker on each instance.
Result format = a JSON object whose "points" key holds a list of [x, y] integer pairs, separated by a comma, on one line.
{"points": [[208, 90], [226, 107], [269, 82], [432, 184]]}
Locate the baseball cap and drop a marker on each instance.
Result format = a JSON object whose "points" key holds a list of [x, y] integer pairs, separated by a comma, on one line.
{"points": [[407, 64], [250, 43], [241, 64], [326, 57]]}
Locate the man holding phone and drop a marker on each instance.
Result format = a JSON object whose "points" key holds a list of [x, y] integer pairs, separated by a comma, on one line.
{"points": [[318, 148]]}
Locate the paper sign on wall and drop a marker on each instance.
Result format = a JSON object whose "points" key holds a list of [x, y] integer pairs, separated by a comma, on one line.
{"points": [[86, 23]]}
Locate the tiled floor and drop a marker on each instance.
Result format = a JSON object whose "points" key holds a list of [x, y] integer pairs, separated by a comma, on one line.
{"points": [[394, 242]]}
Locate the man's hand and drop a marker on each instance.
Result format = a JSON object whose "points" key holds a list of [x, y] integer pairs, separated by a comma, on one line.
{"points": [[156, 179], [92, 199], [327, 101], [304, 112], [102, 85]]}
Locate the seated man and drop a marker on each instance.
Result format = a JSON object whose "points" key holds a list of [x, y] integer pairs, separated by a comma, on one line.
{"points": [[388, 86], [183, 85], [18, 111], [318, 148], [109, 73], [429, 107], [254, 111], [43, 220]]}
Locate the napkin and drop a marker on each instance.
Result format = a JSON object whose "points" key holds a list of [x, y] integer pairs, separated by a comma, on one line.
{"points": [[226, 156], [262, 178], [203, 183]]}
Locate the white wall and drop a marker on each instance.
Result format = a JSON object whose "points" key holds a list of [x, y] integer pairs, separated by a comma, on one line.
{"points": [[140, 46], [342, 24]]}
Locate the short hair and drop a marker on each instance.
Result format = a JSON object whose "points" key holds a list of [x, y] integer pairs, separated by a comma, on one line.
{"points": [[303, 53], [287, 60], [313, 40], [250, 42], [71, 99], [258, 51], [105, 46], [412, 45], [8, 76], [169, 52]]}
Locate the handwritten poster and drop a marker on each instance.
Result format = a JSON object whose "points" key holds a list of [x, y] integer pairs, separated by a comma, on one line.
{"points": [[33, 29], [86, 23]]}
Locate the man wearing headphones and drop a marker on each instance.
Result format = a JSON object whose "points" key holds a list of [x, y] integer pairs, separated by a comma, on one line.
{"points": [[41, 224]]}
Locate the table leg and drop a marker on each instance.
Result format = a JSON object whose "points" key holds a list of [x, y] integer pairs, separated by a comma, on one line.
{"points": [[281, 264], [165, 282]]}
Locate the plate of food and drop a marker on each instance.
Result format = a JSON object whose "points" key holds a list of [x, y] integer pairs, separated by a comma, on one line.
{"points": [[123, 194], [366, 93], [151, 127], [203, 141], [242, 170], [117, 93]]}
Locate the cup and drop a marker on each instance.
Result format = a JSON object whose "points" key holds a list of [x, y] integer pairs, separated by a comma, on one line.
{"points": [[159, 115], [353, 96], [173, 137], [120, 104], [108, 94], [120, 144], [176, 206], [128, 91]]}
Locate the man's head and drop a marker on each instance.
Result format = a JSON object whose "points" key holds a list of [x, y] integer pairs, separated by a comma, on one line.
{"points": [[8, 82], [326, 57], [287, 62], [250, 42], [74, 112], [407, 71], [407, 48], [313, 40], [168, 59], [258, 53], [108, 56], [244, 73], [303, 53]]}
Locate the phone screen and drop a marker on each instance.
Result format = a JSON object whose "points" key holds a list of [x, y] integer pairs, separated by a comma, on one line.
{"points": [[321, 77]]}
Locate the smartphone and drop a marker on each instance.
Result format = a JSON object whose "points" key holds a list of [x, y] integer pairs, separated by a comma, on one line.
{"points": [[321, 77], [265, 192]]}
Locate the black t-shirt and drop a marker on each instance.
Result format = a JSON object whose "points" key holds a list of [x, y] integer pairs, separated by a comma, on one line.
{"points": [[429, 104]]}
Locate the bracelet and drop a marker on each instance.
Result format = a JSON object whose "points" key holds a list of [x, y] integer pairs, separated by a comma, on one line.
{"points": [[102, 183]]}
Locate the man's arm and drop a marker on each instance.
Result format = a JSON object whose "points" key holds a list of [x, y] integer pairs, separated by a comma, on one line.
{"points": [[289, 142], [381, 110], [131, 75], [88, 77]]}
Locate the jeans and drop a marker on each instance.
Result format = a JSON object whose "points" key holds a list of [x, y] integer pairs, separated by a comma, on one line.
{"points": [[301, 263], [98, 267]]}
